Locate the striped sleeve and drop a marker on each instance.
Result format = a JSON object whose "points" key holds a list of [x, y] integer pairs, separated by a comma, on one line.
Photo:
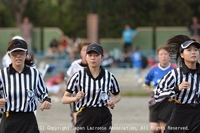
{"points": [[41, 89], [72, 82], [166, 87], [94, 88], [21, 90], [115, 87], [1, 88]]}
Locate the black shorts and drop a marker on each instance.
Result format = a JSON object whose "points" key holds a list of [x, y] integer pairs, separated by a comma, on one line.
{"points": [[184, 119], [94, 119], [20, 122], [127, 46], [161, 111]]}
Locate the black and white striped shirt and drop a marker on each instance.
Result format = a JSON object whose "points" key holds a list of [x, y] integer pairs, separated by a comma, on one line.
{"points": [[97, 90], [21, 90], [168, 86]]}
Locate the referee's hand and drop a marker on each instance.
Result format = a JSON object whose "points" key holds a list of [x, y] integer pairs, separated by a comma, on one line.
{"points": [[111, 104], [45, 105], [184, 85], [79, 95], [2, 102]]}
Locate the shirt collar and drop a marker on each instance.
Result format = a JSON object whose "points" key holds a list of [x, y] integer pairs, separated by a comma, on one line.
{"points": [[101, 74], [185, 69], [26, 70]]}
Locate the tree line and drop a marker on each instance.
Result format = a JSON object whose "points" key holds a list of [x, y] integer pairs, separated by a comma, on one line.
{"points": [[70, 15]]}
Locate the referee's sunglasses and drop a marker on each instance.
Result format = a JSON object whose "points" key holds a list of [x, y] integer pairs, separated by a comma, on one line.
{"points": [[16, 52]]}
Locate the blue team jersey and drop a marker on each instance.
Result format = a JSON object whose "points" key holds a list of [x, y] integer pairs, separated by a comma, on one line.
{"points": [[136, 58], [156, 73], [128, 35]]}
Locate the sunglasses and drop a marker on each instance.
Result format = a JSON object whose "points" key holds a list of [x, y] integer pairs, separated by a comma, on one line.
{"points": [[15, 53]]}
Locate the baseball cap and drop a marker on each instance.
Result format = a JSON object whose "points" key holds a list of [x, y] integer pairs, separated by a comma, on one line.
{"points": [[96, 48], [187, 43], [17, 44]]}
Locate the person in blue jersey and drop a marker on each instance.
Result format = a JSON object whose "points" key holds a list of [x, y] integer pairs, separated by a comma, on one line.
{"points": [[21, 86], [136, 58], [159, 113], [182, 86], [93, 87], [127, 35]]}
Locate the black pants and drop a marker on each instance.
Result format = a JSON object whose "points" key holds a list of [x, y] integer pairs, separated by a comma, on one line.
{"points": [[127, 47], [20, 122], [94, 120], [184, 119]]}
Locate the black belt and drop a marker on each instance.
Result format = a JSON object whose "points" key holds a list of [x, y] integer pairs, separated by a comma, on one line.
{"points": [[12, 112]]}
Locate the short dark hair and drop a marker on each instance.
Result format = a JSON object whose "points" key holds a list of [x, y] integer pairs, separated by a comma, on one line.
{"points": [[81, 45]]}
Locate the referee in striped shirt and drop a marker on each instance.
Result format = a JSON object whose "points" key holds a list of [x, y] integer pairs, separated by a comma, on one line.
{"points": [[20, 86], [75, 66], [93, 86], [182, 86]]}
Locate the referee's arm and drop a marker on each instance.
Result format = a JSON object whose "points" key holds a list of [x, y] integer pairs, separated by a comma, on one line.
{"points": [[67, 98], [114, 100], [2, 100], [166, 88]]}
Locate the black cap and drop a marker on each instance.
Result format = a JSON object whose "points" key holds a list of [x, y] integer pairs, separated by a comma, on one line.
{"points": [[96, 48], [187, 43], [17, 44]]}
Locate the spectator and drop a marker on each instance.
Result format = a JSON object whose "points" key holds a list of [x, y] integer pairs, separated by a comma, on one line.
{"points": [[127, 36], [55, 85], [195, 29], [73, 48], [27, 31], [53, 47], [63, 44], [136, 59], [108, 60]]}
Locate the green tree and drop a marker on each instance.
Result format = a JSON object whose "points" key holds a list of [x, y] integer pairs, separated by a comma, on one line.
{"points": [[70, 15], [17, 9]]}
